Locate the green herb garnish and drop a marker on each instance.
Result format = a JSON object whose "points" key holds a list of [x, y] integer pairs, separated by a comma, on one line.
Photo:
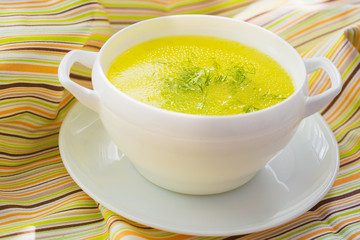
{"points": [[250, 108], [190, 77], [190, 80]]}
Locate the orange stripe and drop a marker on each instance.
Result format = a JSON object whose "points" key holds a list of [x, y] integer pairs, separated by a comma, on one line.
{"points": [[63, 16], [31, 90], [22, 123], [40, 44], [68, 97], [319, 72], [349, 126], [94, 43], [334, 204], [27, 147], [334, 51], [36, 181], [350, 178], [128, 233], [345, 221], [47, 210], [338, 226], [76, 211], [64, 182], [28, 5], [32, 126], [17, 169], [275, 229], [37, 51], [22, 3], [353, 157], [19, 182], [354, 236], [320, 23], [339, 64], [97, 236], [294, 21], [27, 108], [325, 86], [354, 144], [315, 233], [53, 35], [27, 67], [44, 211], [316, 77], [338, 111]]}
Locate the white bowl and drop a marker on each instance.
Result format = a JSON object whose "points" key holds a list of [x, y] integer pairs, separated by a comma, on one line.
{"points": [[190, 153]]}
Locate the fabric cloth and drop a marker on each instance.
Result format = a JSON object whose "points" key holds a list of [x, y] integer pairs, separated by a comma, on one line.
{"points": [[38, 198]]}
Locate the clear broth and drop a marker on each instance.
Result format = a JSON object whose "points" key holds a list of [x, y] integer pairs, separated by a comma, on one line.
{"points": [[200, 75]]}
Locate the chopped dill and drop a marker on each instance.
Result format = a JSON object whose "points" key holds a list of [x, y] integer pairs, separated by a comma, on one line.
{"points": [[250, 108], [190, 78], [270, 96], [240, 76]]}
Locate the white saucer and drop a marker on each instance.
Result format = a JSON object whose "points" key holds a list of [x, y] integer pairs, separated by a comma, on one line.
{"points": [[288, 186]]}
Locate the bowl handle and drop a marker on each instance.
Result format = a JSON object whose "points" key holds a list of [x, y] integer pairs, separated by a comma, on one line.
{"points": [[86, 96], [317, 102]]}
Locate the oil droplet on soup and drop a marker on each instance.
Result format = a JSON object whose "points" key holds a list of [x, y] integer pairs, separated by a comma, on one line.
{"points": [[200, 75]]}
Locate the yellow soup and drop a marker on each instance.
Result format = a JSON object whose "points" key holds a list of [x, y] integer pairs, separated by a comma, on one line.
{"points": [[200, 75]]}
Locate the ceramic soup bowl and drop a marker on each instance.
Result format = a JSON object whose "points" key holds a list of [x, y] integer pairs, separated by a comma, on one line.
{"points": [[196, 154]]}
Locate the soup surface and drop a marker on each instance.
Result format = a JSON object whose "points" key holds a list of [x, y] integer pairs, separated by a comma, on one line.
{"points": [[200, 75]]}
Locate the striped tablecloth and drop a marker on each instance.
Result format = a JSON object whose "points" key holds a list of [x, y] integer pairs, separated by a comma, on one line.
{"points": [[38, 198]]}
